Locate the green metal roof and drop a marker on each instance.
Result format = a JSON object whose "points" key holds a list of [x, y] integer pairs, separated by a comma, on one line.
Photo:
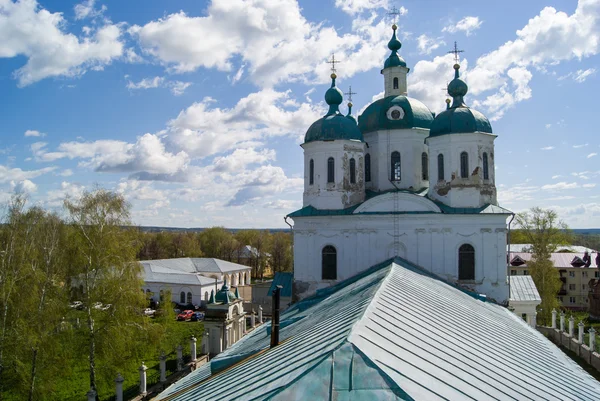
{"points": [[394, 60], [224, 296], [416, 115], [310, 211], [285, 280], [459, 119], [392, 332]]}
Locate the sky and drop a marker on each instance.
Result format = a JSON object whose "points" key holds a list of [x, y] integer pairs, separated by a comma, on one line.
{"points": [[195, 110]]}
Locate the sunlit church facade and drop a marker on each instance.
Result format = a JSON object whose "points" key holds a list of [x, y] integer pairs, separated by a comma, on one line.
{"points": [[401, 182]]}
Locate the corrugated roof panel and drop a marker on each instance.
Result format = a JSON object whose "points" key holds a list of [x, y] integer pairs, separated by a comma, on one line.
{"points": [[285, 280], [559, 259], [522, 288]]}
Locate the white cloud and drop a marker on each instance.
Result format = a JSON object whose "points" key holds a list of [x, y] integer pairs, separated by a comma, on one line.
{"points": [[581, 75], [241, 158], [547, 148], [589, 185], [37, 34], [580, 146], [592, 155], [238, 74], [274, 41], [548, 126], [87, 10], [67, 172], [16, 174], [429, 77], [23, 187], [554, 177], [177, 88], [426, 44], [559, 186], [67, 190], [467, 25], [31, 132]]}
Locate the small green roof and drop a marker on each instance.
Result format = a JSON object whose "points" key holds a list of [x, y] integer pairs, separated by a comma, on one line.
{"points": [[459, 118], [224, 296], [334, 125], [375, 117]]}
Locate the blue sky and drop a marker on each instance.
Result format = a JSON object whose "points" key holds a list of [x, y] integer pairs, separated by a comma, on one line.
{"points": [[195, 110]]}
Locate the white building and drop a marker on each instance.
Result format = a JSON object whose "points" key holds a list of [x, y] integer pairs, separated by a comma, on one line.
{"points": [[191, 280], [402, 182]]}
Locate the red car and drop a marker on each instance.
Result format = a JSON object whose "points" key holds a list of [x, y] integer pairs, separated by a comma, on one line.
{"points": [[185, 315]]}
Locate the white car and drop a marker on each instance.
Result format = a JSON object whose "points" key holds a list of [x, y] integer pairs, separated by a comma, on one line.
{"points": [[149, 312], [76, 305]]}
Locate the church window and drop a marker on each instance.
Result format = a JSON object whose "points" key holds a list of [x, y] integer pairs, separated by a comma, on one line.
{"points": [[311, 172], [440, 167], [352, 171], [464, 165], [396, 166], [396, 83], [189, 297], [486, 169], [182, 297], [330, 170], [466, 262], [329, 263], [424, 166], [368, 167]]}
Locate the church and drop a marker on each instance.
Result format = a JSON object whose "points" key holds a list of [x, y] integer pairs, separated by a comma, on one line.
{"points": [[402, 182], [400, 271]]}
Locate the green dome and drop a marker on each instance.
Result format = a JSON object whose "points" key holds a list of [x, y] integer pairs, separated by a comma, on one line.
{"points": [[394, 60], [225, 296], [375, 117], [459, 118], [334, 125]]}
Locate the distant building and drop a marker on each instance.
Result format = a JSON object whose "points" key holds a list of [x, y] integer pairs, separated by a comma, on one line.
{"points": [[575, 275], [524, 298], [190, 280]]}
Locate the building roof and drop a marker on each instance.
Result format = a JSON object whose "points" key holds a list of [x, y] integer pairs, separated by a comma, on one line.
{"points": [[560, 248], [375, 117], [559, 259], [391, 332], [285, 280], [394, 60], [311, 211], [186, 271], [522, 288]]}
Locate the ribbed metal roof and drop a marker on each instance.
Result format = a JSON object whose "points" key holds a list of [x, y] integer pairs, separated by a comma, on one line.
{"points": [[559, 259], [285, 280], [393, 332], [522, 288]]}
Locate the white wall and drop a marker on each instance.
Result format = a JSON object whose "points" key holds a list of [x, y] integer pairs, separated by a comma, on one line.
{"points": [[428, 240]]}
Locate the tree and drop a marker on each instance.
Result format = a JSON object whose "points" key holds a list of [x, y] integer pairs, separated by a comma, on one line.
{"points": [[281, 252], [545, 232], [103, 260]]}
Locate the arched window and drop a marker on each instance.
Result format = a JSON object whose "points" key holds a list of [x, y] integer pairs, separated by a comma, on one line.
{"points": [[466, 262], [182, 297], [396, 167], [330, 170], [486, 168], [189, 297], [352, 171], [424, 166], [440, 167], [368, 167], [464, 165], [329, 263], [395, 83], [206, 296], [311, 172]]}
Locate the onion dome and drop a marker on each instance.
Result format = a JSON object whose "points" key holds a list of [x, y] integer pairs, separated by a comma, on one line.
{"points": [[459, 118], [349, 115], [394, 60], [395, 112], [225, 296], [334, 125]]}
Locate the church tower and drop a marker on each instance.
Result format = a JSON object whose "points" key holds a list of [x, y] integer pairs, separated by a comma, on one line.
{"points": [[461, 153], [395, 69], [333, 158]]}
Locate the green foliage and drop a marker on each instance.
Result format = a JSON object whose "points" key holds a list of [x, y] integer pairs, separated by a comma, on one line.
{"points": [[542, 229]]}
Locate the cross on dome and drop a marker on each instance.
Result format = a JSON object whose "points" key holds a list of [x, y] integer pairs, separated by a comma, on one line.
{"points": [[333, 62], [350, 93], [456, 52], [394, 13]]}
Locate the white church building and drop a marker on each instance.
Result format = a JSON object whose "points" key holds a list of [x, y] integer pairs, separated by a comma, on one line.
{"points": [[402, 182]]}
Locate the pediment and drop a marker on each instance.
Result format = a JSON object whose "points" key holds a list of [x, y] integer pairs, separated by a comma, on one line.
{"points": [[406, 202]]}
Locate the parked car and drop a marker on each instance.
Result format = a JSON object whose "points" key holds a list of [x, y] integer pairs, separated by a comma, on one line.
{"points": [[106, 307], [197, 316], [77, 305], [98, 305], [185, 315], [149, 312]]}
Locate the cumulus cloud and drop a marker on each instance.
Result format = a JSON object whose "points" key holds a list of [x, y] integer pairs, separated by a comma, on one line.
{"points": [[23, 187], [241, 158], [592, 155], [274, 41], [87, 9], [177, 88], [426, 44], [31, 132], [467, 25], [8, 174], [37, 34]]}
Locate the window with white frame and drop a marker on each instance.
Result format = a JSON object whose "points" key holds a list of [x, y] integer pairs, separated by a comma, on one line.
{"points": [[572, 300]]}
